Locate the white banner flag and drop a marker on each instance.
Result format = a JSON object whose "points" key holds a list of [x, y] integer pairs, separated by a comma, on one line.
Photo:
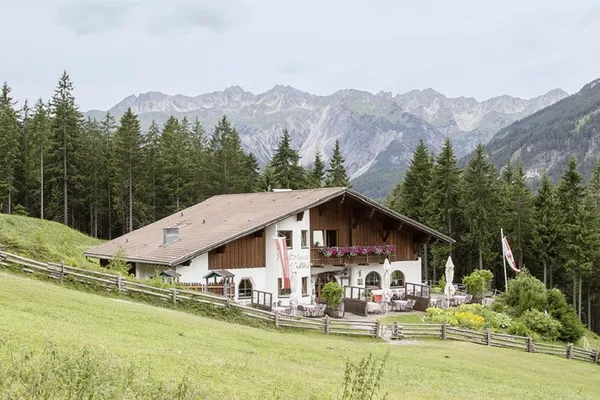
{"points": [[507, 252]]}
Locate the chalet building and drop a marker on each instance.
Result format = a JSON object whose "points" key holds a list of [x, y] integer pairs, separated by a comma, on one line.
{"points": [[256, 241]]}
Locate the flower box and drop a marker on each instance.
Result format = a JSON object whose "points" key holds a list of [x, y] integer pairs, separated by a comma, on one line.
{"points": [[356, 253]]}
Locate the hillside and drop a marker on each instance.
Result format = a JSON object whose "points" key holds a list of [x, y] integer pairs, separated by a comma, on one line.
{"points": [[44, 240], [545, 140], [377, 132], [116, 348]]}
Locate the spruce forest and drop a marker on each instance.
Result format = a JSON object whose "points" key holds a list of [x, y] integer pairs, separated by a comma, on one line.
{"points": [[106, 178], [554, 233]]}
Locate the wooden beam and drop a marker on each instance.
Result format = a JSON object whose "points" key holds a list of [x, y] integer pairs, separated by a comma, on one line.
{"points": [[385, 235], [372, 212], [343, 198]]}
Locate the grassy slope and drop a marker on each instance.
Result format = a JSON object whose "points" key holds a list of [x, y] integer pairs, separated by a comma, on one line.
{"points": [[223, 358], [44, 240]]}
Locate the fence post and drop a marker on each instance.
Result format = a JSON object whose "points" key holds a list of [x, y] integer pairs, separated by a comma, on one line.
{"points": [[530, 344], [488, 336], [119, 279], [327, 324], [276, 319], [570, 351], [596, 356], [62, 272], [395, 331], [174, 295], [377, 329], [444, 331]]}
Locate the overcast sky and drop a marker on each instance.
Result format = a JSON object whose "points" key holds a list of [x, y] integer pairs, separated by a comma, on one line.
{"points": [[114, 48]]}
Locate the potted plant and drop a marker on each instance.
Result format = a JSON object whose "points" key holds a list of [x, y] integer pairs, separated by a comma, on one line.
{"points": [[333, 293]]}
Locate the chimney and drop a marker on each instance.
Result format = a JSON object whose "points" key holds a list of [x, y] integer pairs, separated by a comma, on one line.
{"points": [[170, 235]]}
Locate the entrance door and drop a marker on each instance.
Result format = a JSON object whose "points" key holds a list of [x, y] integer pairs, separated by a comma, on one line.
{"points": [[322, 279]]}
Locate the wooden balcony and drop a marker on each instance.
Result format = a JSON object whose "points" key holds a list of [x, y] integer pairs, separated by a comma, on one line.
{"points": [[317, 259]]}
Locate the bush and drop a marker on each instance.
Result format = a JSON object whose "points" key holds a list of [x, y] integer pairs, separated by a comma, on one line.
{"points": [[525, 292], [333, 293], [543, 324], [467, 319], [520, 329], [496, 321], [571, 328], [478, 282]]}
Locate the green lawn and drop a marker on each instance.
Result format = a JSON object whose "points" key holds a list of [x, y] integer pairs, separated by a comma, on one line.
{"points": [[44, 240], [229, 361]]}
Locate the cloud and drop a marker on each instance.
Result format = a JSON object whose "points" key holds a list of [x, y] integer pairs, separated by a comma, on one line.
{"points": [[89, 17], [294, 68]]}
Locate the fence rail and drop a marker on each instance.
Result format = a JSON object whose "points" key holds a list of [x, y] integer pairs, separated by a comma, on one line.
{"points": [[121, 285]]}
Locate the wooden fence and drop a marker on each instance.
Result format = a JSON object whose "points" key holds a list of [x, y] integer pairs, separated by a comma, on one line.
{"points": [[489, 338], [358, 327]]}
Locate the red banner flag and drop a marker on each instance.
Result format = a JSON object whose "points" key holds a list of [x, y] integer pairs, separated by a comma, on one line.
{"points": [[284, 259], [507, 252]]}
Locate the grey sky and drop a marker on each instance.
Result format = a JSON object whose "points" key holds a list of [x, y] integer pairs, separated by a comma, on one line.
{"points": [[114, 48]]}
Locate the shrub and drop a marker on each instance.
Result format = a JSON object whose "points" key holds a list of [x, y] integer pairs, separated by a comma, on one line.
{"points": [[467, 319], [495, 320], [543, 324], [525, 292], [333, 293], [478, 282], [442, 283], [571, 328], [520, 329]]}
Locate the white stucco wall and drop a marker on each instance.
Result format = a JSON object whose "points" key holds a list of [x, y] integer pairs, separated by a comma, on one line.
{"points": [[145, 271], [299, 257], [195, 272]]}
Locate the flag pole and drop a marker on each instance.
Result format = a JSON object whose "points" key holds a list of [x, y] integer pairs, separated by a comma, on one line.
{"points": [[503, 259]]}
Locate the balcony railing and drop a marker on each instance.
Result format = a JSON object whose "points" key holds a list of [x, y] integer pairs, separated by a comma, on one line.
{"points": [[342, 258]]}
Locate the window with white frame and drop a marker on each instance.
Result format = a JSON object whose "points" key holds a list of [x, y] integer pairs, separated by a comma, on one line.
{"points": [[288, 238], [373, 279], [397, 279]]}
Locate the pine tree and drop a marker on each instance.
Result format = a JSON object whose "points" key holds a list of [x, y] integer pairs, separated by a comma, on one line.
{"points": [[40, 126], [26, 172], [127, 159], [288, 173], [415, 189], [336, 175], [10, 150], [199, 158], [65, 156], [481, 205], [176, 164], [317, 172], [444, 202], [152, 169], [445, 191], [108, 127], [519, 226], [546, 226], [229, 169], [96, 168], [570, 197]]}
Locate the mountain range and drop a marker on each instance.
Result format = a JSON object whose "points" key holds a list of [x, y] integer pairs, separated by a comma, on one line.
{"points": [[546, 139], [377, 132]]}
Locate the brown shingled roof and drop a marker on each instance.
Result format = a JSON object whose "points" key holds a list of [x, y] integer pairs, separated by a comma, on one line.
{"points": [[221, 219]]}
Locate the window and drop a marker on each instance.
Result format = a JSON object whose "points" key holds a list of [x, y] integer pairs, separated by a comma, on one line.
{"points": [[288, 238], [304, 239], [397, 279], [305, 285], [325, 238], [282, 292], [245, 288], [373, 279]]}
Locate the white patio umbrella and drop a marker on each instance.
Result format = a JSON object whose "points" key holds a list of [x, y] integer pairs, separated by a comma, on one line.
{"points": [[386, 283], [449, 289], [294, 291]]}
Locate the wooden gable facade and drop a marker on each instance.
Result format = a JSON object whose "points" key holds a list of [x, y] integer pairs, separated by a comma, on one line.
{"points": [[346, 222], [246, 252]]}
